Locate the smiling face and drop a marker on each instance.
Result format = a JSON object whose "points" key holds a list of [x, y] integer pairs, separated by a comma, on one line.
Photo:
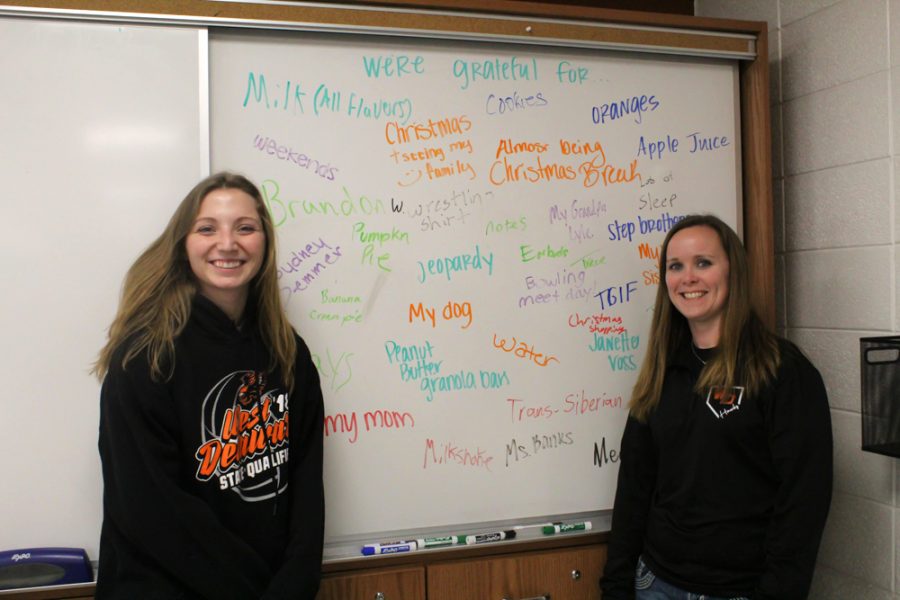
{"points": [[697, 281], [225, 247]]}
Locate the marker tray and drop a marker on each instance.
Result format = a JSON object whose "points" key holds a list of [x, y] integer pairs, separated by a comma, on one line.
{"points": [[880, 398]]}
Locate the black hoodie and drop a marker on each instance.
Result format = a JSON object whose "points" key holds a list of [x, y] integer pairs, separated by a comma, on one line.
{"points": [[725, 495], [213, 479]]}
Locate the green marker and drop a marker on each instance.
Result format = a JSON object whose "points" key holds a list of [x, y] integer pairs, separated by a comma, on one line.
{"points": [[437, 542], [551, 529]]}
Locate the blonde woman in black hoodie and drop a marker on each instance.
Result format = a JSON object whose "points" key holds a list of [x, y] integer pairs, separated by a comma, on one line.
{"points": [[211, 416], [725, 476]]}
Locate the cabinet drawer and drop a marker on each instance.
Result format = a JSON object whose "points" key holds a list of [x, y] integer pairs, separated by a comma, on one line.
{"points": [[560, 574], [392, 584]]}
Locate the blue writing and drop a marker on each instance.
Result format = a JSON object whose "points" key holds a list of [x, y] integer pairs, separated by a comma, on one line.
{"points": [[619, 232], [614, 110], [565, 73], [361, 107], [658, 148], [704, 144], [393, 66], [448, 265], [257, 90], [325, 99], [662, 224], [616, 294], [507, 69], [503, 104]]}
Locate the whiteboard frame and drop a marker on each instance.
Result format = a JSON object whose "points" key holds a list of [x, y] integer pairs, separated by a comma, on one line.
{"points": [[446, 24]]}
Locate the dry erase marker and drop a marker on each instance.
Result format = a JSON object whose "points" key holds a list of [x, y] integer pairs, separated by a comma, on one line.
{"points": [[551, 529], [483, 538], [390, 548], [536, 525], [437, 542]]}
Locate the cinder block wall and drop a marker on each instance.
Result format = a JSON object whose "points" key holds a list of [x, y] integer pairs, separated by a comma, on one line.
{"points": [[835, 95]]}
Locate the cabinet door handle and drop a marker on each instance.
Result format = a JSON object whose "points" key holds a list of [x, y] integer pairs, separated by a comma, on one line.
{"points": [[576, 574], [544, 597], [379, 596]]}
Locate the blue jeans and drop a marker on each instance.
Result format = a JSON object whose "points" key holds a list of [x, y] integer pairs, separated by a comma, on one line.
{"points": [[648, 586]]}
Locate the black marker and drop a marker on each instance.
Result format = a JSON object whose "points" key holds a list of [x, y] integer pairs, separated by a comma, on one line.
{"points": [[483, 538]]}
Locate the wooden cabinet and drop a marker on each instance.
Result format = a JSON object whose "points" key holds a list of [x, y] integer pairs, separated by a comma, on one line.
{"points": [[79, 591], [561, 568], [570, 574], [389, 584]]}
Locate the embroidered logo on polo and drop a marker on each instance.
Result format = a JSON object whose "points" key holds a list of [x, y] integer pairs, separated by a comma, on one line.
{"points": [[244, 437], [724, 401]]}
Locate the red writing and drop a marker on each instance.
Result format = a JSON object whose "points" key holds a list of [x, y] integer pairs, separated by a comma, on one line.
{"points": [[348, 423], [519, 411], [580, 403], [602, 323], [450, 453]]}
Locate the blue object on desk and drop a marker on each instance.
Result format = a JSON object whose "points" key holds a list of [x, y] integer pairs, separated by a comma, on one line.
{"points": [[44, 566]]}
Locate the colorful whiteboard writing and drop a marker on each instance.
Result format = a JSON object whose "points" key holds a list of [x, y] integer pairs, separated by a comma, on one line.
{"points": [[469, 241]]}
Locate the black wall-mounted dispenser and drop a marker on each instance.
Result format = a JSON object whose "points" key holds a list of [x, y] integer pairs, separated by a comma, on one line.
{"points": [[880, 399]]}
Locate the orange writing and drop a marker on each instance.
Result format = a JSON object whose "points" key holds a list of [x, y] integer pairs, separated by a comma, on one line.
{"points": [[523, 350], [245, 433]]}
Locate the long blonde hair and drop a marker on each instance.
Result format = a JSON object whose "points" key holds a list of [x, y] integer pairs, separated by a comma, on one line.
{"points": [[747, 349], [160, 286]]}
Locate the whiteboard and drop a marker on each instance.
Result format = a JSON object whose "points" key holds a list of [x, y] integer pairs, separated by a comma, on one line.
{"points": [[101, 139], [468, 239]]}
